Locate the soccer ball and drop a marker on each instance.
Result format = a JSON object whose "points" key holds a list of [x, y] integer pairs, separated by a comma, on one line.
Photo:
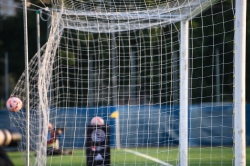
{"points": [[14, 104], [97, 121]]}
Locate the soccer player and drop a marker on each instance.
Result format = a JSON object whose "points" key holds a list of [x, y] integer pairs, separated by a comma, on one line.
{"points": [[53, 142]]}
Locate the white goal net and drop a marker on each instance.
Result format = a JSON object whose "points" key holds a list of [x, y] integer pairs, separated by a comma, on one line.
{"points": [[104, 56]]}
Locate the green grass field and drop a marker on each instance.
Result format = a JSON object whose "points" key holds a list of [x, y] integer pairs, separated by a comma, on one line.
{"points": [[197, 156]]}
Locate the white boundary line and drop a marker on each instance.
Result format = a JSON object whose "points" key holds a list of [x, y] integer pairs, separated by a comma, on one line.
{"points": [[147, 157]]}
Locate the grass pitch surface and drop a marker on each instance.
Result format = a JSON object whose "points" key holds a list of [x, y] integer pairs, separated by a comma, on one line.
{"points": [[197, 156]]}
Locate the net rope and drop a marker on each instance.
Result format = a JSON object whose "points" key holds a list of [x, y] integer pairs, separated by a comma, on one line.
{"points": [[103, 56]]}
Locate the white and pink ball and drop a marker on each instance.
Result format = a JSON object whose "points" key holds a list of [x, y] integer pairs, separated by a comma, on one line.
{"points": [[97, 121], [14, 104]]}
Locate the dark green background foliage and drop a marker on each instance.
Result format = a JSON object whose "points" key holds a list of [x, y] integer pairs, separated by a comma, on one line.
{"points": [[12, 41]]}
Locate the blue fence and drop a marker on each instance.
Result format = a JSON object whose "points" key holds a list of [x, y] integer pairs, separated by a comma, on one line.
{"points": [[151, 125]]}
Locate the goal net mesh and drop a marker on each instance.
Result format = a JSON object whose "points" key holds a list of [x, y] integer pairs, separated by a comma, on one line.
{"points": [[123, 55]]}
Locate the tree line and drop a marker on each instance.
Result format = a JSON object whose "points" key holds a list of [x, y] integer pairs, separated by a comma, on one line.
{"points": [[12, 42]]}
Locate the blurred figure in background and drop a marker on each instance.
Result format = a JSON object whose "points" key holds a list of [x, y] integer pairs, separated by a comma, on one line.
{"points": [[53, 141]]}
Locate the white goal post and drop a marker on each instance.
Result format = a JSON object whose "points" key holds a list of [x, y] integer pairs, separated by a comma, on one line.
{"points": [[240, 83], [167, 76]]}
